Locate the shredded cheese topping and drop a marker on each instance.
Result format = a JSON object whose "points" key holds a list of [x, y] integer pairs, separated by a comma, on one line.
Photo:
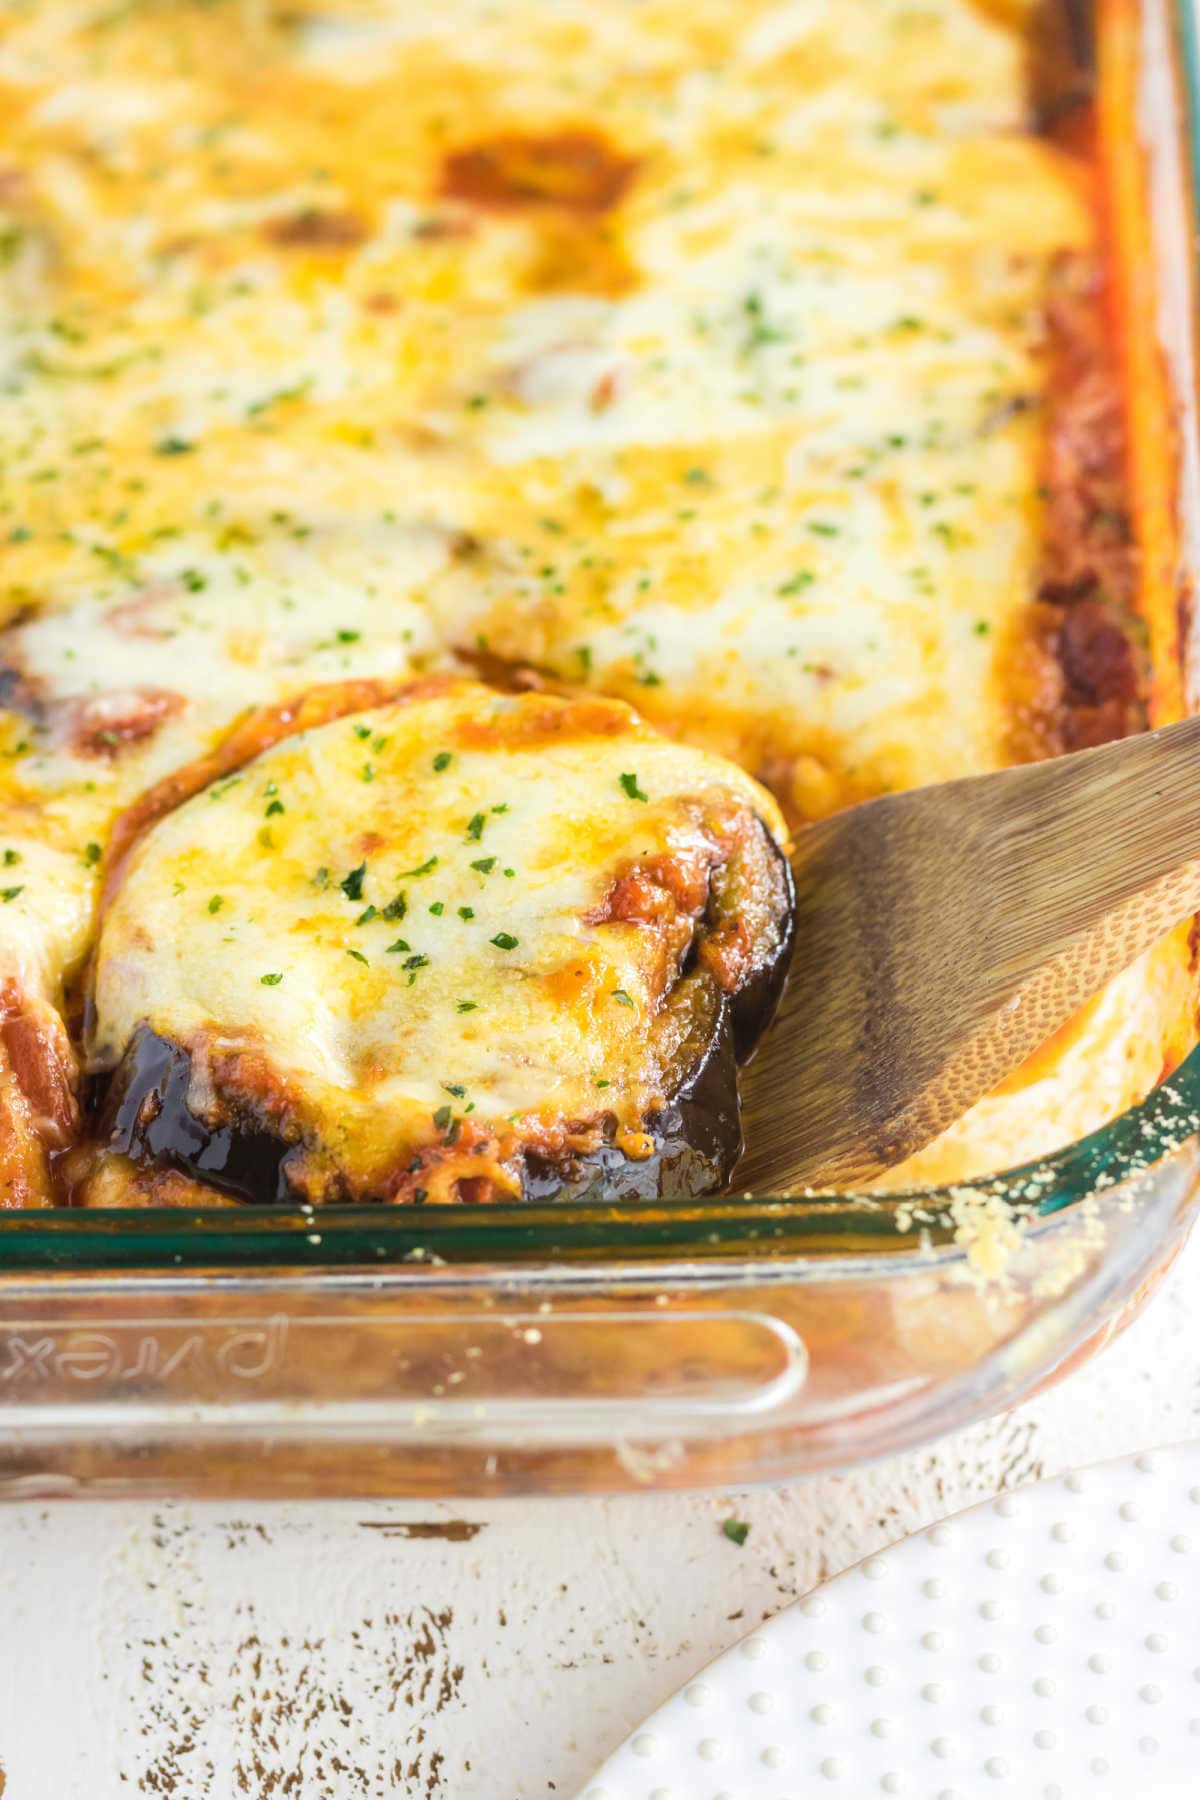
{"points": [[688, 351]]}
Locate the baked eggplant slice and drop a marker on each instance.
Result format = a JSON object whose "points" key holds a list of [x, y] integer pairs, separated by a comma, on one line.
{"points": [[462, 946]]}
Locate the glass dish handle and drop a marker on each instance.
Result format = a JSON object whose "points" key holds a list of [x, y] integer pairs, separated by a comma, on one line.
{"points": [[393, 1372]]}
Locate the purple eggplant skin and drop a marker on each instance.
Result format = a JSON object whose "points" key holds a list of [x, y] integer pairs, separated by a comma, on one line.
{"points": [[141, 1108], [756, 1002], [142, 1112], [698, 1135]]}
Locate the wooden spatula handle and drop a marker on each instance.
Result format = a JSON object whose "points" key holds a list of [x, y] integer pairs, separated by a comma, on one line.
{"points": [[1097, 827]]}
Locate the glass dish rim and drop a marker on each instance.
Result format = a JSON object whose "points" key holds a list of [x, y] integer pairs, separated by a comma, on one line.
{"points": [[757, 1231], [832, 1228]]}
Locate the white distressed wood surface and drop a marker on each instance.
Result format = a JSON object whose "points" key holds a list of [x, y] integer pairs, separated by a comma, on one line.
{"points": [[331, 1652]]}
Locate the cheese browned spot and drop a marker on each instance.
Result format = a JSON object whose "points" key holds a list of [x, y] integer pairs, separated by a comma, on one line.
{"points": [[575, 169], [464, 945], [315, 230]]}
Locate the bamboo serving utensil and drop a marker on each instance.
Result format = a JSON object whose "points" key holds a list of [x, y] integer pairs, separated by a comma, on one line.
{"points": [[944, 933]]}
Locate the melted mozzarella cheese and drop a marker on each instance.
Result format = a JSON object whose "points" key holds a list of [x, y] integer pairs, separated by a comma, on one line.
{"points": [[768, 383], [737, 419], [220, 629], [400, 906]]}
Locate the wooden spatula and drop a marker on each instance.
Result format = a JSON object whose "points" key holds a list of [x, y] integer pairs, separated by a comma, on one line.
{"points": [[944, 933]]}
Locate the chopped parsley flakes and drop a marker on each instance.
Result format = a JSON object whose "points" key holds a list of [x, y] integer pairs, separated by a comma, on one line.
{"points": [[629, 786], [270, 980], [352, 884], [504, 940]]}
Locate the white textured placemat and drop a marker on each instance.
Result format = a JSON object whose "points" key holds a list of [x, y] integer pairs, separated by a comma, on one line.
{"points": [[1045, 1646]]}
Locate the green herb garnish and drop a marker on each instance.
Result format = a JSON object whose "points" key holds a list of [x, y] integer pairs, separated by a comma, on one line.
{"points": [[352, 884]]}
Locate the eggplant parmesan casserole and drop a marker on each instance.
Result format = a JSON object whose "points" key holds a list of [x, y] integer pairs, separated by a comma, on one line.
{"points": [[473, 479]]}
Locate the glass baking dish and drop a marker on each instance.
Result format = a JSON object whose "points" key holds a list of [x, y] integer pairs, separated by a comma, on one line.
{"points": [[259, 1351]]}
